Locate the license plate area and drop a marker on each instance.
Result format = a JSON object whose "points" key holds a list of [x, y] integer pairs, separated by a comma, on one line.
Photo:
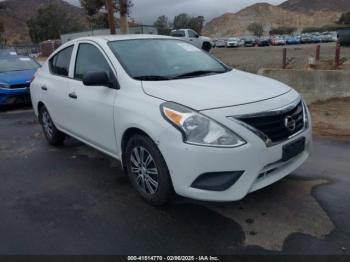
{"points": [[293, 149]]}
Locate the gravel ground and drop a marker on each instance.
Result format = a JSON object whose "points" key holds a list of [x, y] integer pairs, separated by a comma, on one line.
{"points": [[254, 58], [331, 118]]}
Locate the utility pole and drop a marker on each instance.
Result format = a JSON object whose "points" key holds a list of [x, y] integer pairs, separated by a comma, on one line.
{"points": [[111, 21], [124, 25]]}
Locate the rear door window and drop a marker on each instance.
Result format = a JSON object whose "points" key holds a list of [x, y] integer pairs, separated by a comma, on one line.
{"points": [[178, 33]]}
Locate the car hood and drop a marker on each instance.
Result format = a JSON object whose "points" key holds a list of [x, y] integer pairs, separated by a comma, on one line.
{"points": [[17, 77], [215, 91]]}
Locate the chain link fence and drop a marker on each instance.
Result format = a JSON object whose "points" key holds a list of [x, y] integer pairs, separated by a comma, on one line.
{"points": [[27, 50], [252, 59]]}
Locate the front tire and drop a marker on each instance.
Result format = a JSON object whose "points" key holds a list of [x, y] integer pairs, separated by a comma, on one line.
{"points": [[52, 134], [147, 170]]}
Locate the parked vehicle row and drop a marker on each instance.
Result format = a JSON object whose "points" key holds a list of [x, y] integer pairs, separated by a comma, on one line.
{"points": [[278, 40]]}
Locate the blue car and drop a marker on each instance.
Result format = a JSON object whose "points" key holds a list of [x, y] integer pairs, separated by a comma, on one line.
{"points": [[16, 73], [293, 40]]}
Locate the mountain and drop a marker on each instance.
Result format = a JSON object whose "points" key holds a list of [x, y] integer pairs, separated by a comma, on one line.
{"points": [[270, 16], [307, 6], [14, 14]]}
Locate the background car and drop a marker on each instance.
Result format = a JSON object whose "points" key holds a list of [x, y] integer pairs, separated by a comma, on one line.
{"points": [[234, 42], [316, 38], [194, 38], [292, 40], [326, 37], [263, 41], [220, 43], [334, 36], [306, 39], [16, 73], [249, 41], [278, 40]]}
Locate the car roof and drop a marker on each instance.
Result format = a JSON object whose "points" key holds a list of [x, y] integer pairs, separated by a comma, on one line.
{"points": [[108, 38], [123, 37]]}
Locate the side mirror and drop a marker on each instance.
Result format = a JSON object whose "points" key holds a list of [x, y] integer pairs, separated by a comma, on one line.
{"points": [[196, 36], [99, 79]]}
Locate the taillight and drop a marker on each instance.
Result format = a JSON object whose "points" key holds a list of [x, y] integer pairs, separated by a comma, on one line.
{"points": [[32, 78]]}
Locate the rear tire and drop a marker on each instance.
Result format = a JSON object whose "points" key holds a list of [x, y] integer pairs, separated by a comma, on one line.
{"points": [[53, 136], [147, 170]]}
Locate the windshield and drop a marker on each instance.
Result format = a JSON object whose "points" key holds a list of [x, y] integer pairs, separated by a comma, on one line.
{"points": [[164, 59], [8, 64]]}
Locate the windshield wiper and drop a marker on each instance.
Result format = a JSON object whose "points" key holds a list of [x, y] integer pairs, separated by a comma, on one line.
{"points": [[199, 73], [186, 75], [151, 78]]}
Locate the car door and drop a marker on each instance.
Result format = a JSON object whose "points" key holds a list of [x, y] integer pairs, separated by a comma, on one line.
{"points": [[194, 38], [91, 108], [54, 85]]}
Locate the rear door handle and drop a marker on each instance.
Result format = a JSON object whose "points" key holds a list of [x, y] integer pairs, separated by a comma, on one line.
{"points": [[73, 95], [44, 88]]}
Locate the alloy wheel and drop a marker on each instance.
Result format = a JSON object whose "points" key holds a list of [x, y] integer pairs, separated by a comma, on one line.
{"points": [[144, 170], [47, 123]]}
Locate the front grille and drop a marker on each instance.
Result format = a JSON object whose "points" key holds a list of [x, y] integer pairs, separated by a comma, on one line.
{"points": [[273, 124], [17, 86]]}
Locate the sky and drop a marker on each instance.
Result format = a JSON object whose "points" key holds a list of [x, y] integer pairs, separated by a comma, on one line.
{"points": [[147, 11]]}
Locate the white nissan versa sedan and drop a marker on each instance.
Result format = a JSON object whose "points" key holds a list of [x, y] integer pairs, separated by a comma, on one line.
{"points": [[177, 118]]}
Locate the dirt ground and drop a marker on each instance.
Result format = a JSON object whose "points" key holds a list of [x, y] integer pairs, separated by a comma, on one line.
{"points": [[332, 118], [251, 59]]}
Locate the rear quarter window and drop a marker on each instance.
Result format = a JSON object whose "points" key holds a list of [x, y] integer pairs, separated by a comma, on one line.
{"points": [[178, 33], [59, 64]]}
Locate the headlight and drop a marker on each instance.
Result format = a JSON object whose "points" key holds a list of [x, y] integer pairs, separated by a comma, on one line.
{"points": [[198, 129], [306, 116], [3, 85]]}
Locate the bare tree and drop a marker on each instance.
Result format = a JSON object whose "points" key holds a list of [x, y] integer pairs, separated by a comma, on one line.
{"points": [[96, 10], [256, 28], [2, 32], [187, 21]]}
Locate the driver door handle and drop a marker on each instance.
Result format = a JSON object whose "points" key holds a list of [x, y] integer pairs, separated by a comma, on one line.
{"points": [[73, 95]]}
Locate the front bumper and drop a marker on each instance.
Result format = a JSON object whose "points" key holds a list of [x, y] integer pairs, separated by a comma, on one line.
{"points": [[262, 165], [14, 96]]}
